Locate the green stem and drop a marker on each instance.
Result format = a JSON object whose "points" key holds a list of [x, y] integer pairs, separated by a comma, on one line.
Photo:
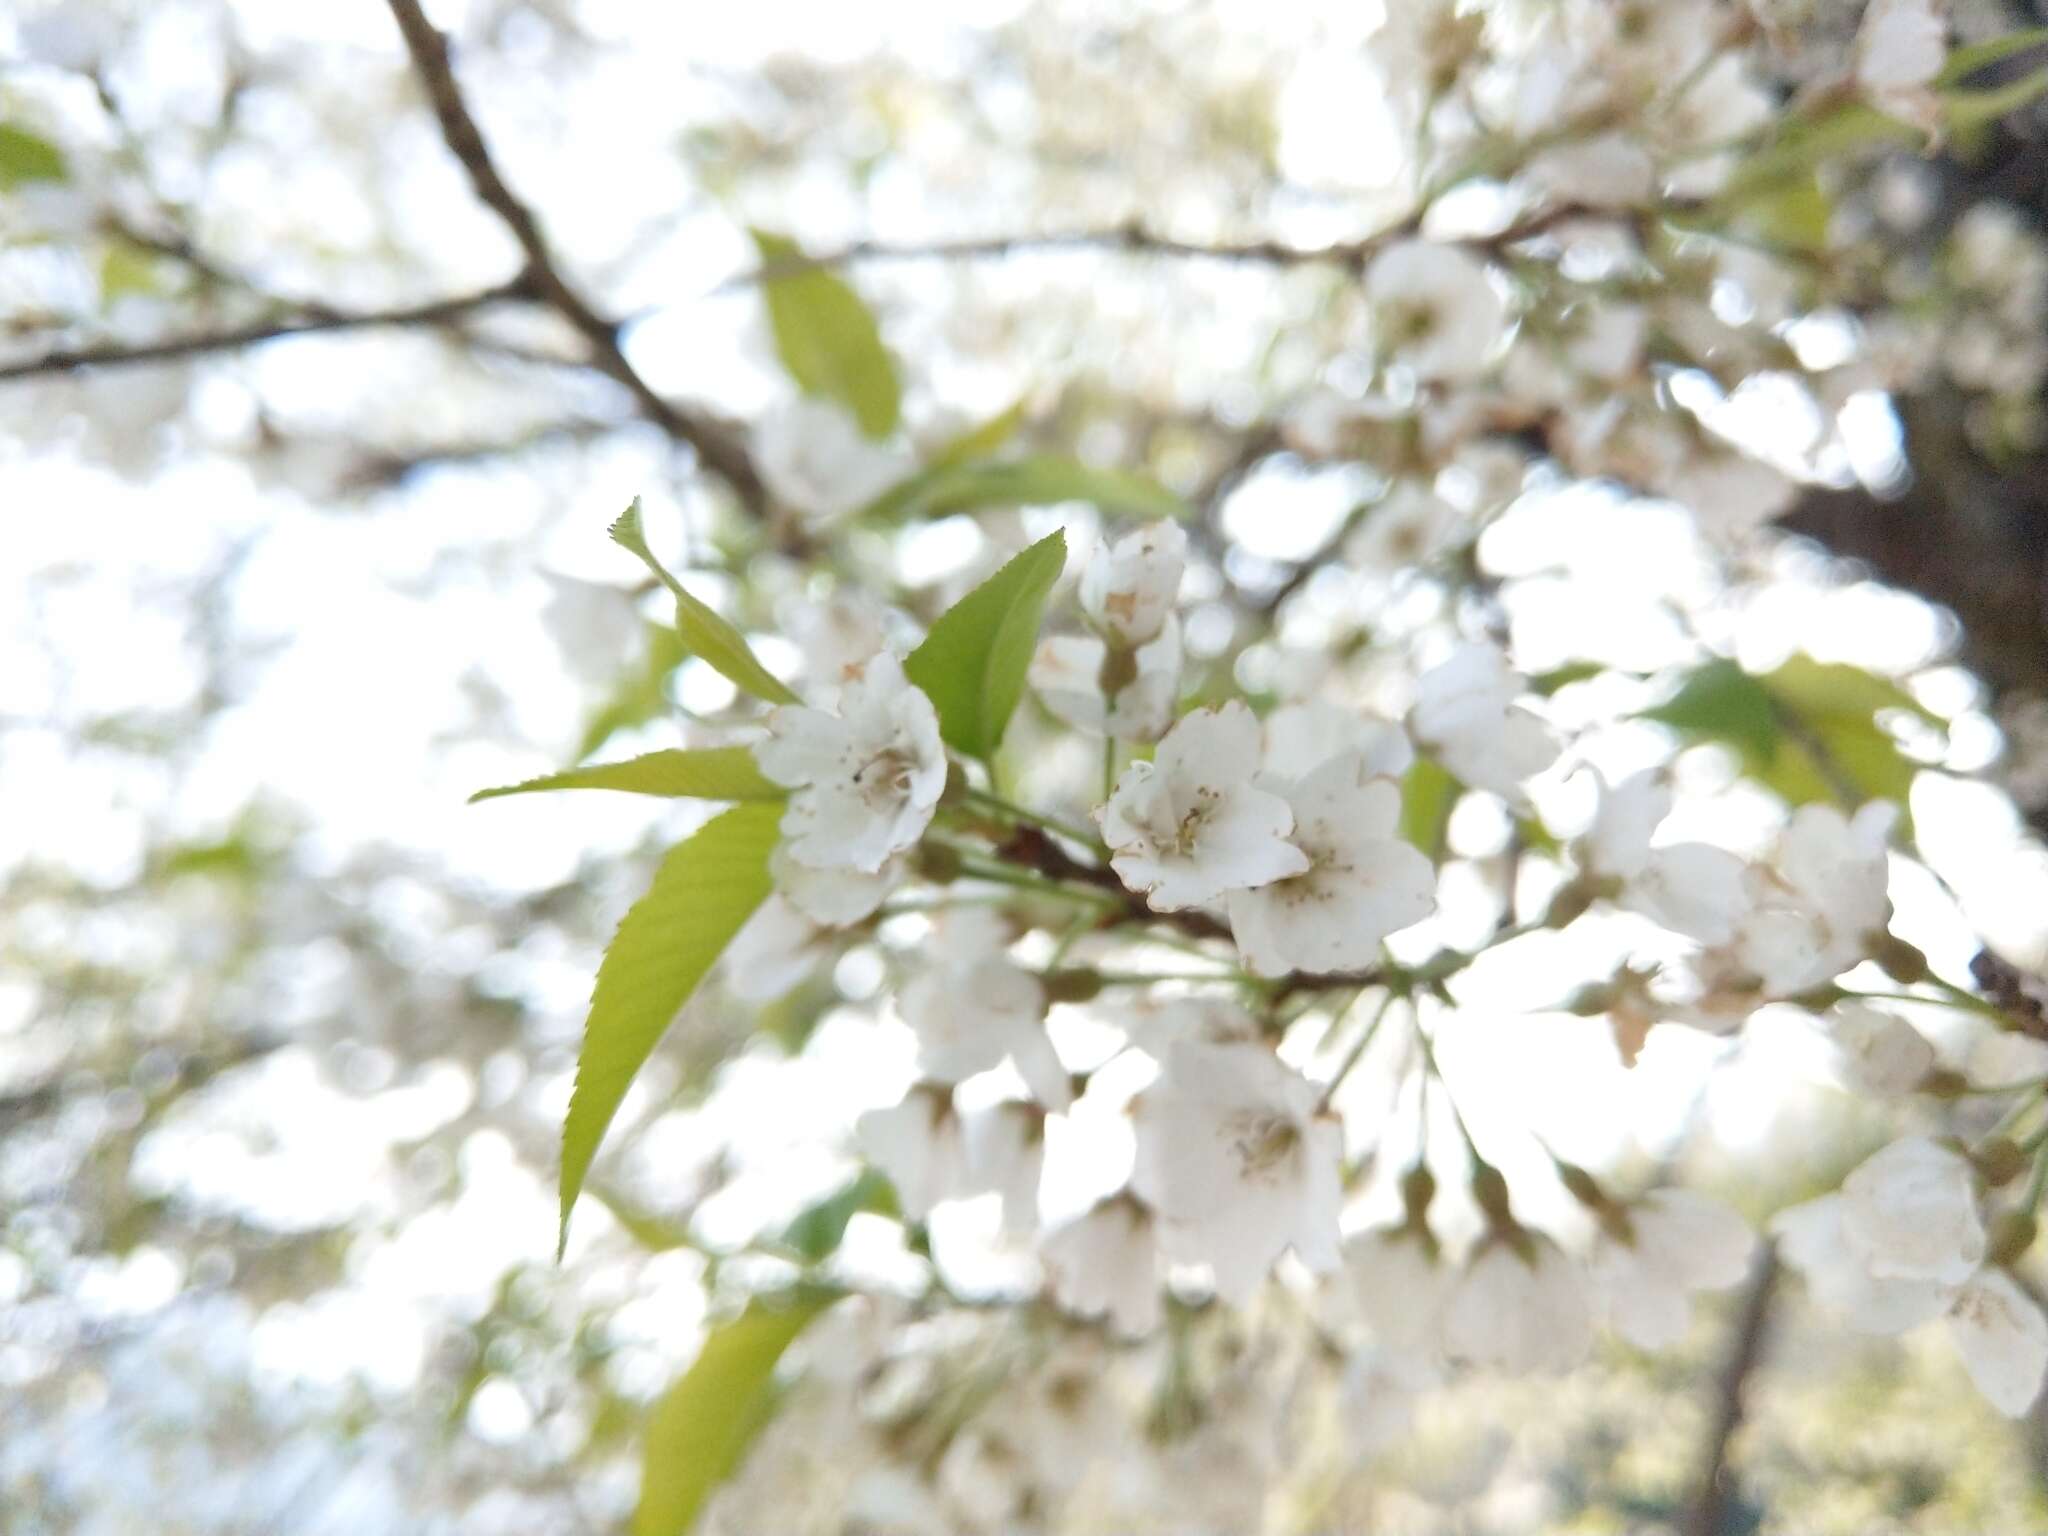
{"points": [[2039, 1182], [1962, 1002], [1109, 756], [998, 874], [1146, 979], [1067, 829]]}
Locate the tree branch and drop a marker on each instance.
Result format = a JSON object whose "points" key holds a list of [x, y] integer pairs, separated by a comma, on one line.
{"points": [[1708, 1515], [305, 322], [719, 450], [1133, 238]]}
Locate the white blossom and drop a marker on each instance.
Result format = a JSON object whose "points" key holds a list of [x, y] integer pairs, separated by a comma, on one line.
{"points": [[1005, 1145], [1399, 1289], [1677, 1242], [1879, 1052], [1691, 888], [814, 456], [837, 635], [1900, 49], [1299, 738], [1363, 881], [2002, 1337], [1912, 1209], [971, 1009], [1436, 310], [1068, 672], [1128, 590], [834, 898], [1105, 1263], [922, 1147], [1814, 1239], [866, 781], [1520, 1312], [1189, 825], [1465, 713], [1410, 526], [775, 951], [1239, 1165]]}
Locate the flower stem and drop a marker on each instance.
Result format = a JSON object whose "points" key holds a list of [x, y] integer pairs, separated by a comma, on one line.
{"points": [[1023, 880], [1067, 829], [1358, 1047]]}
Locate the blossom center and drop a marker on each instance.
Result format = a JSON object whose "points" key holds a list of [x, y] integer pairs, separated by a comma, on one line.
{"points": [[1263, 1143]]}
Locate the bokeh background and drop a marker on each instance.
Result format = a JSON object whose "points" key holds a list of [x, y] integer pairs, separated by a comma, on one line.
{"points": [[287, 1030]]}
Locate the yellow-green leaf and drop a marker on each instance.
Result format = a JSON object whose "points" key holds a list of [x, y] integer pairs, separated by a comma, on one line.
{"points": [[1036, 480], [699, 773], [827, 338], [702, 1426], [26, 157], [706, 633], [981, 439], [1966, 61], [1429, 793], [705, 889], [972, 664]]}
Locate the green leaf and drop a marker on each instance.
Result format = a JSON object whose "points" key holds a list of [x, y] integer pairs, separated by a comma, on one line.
{"points": [[705, 889], [706, 634], [814, 1235], [1547, 683], [1721, 701], [1806, 142], [972, 663], [700, 1429], [1036, 480], [828, 340], [1964, 62], [1793, 214], [981, 439], [1833, 688], [701, 773], [1429, 794], [27, 157], [1965, 110], [126, 271], [656, 1234]]}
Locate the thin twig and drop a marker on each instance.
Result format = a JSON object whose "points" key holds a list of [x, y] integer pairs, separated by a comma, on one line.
{"points": [[720, 450], [1708, 1515], [305, 322]]}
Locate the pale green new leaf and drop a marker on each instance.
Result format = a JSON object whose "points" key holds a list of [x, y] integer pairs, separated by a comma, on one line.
{"points": [[1965, 110], [704, 891], [702, 1426], [982, 439], [1966, 61], [699, 773], [27, 157], [706, 634], [1036, 480], [972, 664], [827, 338]]}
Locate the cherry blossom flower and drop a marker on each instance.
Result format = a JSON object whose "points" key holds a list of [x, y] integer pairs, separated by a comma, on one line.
{"points": [[922, 1147], [1815, 910], [1675, 1243], [1880, 1053], [815, 457], [1436, 309], [1128, 694], [775, 951], [1465, 713], [2002, 1337], [1410, 526], [1105, 1263], [974, 1009], [1189, 825], [1363, 881], [865, 781], [1239, 1165], [1900, 49], [833, 897], [1005, 1145], [1399, 1289], [1691, 888], [1128, 590], [1301, 737], [1521, 1306]]}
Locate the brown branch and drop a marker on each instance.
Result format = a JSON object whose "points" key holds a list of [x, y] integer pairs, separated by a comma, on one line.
{"points": [[305, 322], [1133, 238], [717, 449], [1708, 1515]]}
